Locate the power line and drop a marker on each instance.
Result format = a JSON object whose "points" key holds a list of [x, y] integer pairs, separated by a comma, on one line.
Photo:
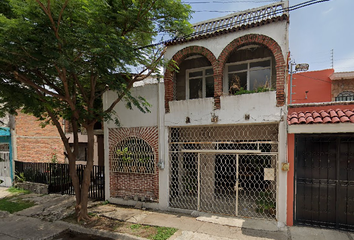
{"points": [[240, 1], [289, 9], [318, 79]]}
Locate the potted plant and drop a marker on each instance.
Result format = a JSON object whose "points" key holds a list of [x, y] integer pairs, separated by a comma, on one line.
{"points": [[266, 204]]}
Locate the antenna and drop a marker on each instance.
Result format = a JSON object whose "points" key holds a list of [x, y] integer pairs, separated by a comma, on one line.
{"points": [[332, 59]]}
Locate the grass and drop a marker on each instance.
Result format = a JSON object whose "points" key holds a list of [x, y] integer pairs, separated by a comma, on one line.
{"points": [[162, 233], [10, 205], [18, 190], [13, 204]]}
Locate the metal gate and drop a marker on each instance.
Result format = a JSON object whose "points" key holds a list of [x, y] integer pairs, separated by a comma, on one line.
{"points": [[325, 181], [5, 171], [234, 177]]}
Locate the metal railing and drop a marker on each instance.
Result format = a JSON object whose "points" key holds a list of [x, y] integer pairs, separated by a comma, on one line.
{"points": [[241, 18], [57, 177]]}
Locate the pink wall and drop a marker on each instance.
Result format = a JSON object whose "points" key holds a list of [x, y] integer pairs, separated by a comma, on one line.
{"points": [[317, 83], [290, 187]]}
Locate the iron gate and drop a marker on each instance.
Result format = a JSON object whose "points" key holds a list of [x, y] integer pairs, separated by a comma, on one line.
{"points": [[5, 170], [231, 177], [324, 180]]}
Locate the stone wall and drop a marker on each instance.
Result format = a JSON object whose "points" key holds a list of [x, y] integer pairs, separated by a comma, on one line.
{"points": [[38, 188]]}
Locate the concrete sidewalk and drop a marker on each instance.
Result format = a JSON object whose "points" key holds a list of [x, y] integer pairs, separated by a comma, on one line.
{"points": [[43, 222], [208, 227]]}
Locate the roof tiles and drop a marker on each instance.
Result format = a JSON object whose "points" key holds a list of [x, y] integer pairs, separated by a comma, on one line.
{"points": [[323, 117]]}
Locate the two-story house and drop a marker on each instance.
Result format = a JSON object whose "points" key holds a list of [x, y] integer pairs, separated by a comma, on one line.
{"points": [[215, 139]]}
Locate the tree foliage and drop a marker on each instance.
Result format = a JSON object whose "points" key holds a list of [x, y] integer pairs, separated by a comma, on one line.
{"points": [[58, 57]]}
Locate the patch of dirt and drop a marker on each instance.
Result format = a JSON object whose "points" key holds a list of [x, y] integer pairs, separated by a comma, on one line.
{"points": [[104, 223]]}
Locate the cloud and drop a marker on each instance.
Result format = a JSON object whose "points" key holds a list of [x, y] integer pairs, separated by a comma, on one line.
{"points": [[327, 11], [345, 64]]}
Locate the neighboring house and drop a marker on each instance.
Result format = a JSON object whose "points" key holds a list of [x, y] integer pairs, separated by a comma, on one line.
{"points": [[6, 163], [22, 138], [34, 143], [203, 147], [98, 158], [321, 150]]}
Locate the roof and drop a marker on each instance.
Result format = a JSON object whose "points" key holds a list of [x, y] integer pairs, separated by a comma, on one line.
{"points": [[342, 75], [237, 21], [322, 116]]}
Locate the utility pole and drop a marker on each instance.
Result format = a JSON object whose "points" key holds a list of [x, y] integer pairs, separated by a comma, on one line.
{"points": [[332, 59], [292, 63]]}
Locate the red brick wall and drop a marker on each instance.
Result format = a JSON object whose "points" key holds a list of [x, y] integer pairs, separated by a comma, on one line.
{"points": [[34, 143], [218, 65], [128, 185]]}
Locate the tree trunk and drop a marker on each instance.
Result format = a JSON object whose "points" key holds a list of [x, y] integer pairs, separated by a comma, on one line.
{"points": [[87, 173]]}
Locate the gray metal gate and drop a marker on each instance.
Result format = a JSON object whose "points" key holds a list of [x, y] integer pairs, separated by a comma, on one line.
{"points": [[234, 177], [5, 170]]}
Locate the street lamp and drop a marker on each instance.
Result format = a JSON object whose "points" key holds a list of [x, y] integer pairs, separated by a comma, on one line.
{"points": [[298, 68]]}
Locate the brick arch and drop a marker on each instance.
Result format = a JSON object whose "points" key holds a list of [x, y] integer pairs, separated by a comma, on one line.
{"points": [[177, 59], [272, 45], [128, 184]]}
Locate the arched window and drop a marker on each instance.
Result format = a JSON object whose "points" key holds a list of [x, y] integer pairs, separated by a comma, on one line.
{"points": [[133, 155], [345, 96]]}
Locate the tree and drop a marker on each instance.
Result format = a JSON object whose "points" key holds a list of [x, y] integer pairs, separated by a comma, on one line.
{"points": [[58, 57]]}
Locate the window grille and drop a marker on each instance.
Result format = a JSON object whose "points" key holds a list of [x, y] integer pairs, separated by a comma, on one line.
{"points": [[345, 96], [227, 170], [133, 155]]}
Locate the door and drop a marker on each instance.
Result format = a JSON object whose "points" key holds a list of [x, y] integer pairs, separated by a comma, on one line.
{"points": [[324, 180], [5, 172], [241, 185], [218, 189]]}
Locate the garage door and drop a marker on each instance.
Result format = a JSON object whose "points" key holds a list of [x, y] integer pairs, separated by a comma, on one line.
{"points": [[324, 180]]}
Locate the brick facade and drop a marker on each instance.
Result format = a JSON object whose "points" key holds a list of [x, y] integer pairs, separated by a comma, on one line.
{"points": [[339, 86], [130, 185], [219, 64], [34, 143]]}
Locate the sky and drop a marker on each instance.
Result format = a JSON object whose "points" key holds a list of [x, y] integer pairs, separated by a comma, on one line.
{"points": [[314, 30]]}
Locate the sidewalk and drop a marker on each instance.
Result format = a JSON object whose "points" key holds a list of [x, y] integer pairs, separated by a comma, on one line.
{"points": [[42, 222]]}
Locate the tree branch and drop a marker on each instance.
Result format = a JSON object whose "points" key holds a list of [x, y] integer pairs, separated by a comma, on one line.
{"points": [[28, 82], [137, 78], [61, 13], [49, 14], [77, 82]]}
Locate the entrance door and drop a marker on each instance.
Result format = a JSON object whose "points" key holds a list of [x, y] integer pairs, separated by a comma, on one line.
{"points": [[5, 172], [325, 180], [241, 185], [218, 177]]}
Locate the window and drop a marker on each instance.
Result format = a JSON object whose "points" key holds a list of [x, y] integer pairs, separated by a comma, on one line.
{"points": [[133, 155], [248, 75], [82, 152], [200, 83], [345, 96]]}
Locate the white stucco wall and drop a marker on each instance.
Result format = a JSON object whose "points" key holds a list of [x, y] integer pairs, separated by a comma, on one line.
{"points": [[261, 108], [135, 118], [278, 31]]}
